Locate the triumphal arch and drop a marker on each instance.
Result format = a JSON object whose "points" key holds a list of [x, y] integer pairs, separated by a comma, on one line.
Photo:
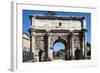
{"points": [[46, 30]]}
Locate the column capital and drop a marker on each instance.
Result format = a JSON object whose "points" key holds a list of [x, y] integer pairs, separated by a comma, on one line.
{"points": [[47, 29], [48, 33], [71, 33], [84, 24], [33, 34]]}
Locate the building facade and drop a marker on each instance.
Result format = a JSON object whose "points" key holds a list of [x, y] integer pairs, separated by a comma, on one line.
{"points": [[27, 51]]}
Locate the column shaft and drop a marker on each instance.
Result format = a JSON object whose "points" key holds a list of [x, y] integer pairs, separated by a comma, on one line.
{"points": [[83, 37], [72, 46], [34, 51], [73, 52], [83, 44], [50, 52]]}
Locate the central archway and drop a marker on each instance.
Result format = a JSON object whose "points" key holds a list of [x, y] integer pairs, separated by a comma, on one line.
{"points": [[60, 49]]}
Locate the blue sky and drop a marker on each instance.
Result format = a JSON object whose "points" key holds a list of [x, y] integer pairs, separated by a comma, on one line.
{"points": [[58, 45], [27, 13]]}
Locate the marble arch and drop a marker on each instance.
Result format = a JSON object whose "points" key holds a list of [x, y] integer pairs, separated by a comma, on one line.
{"points": [[45, 29]]}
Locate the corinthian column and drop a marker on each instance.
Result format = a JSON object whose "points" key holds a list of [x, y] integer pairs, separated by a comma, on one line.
{"points": [[72, 46], [34, 51], [83, 43], [83, 37], [50, 51]]}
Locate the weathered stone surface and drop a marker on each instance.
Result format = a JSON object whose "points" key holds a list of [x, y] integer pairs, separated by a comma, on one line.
{"points": [[47, 32]]}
